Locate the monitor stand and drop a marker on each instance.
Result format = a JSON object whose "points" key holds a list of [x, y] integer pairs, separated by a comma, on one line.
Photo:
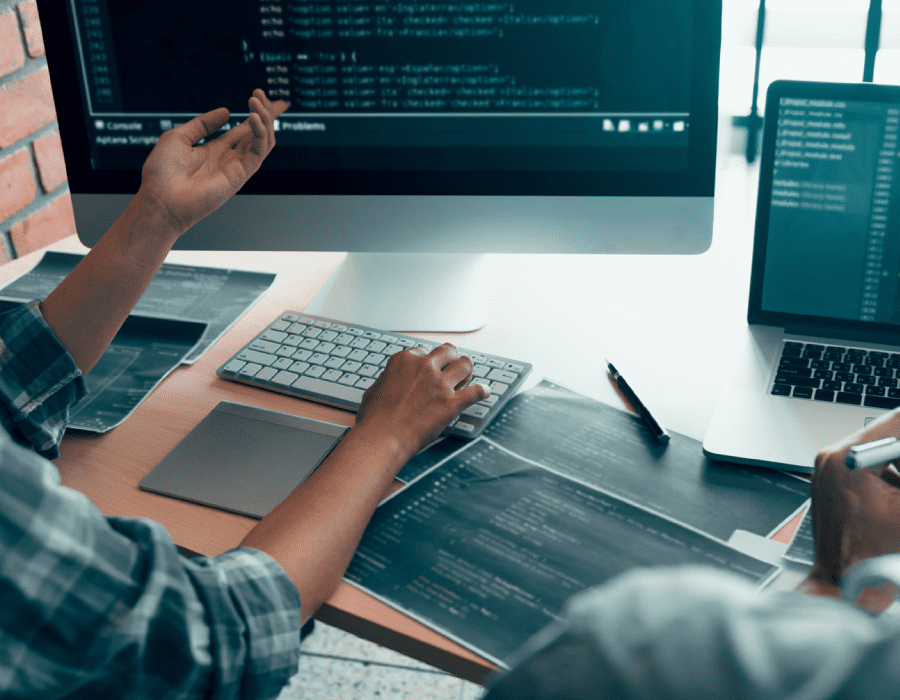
{"points": [[407, 292]]}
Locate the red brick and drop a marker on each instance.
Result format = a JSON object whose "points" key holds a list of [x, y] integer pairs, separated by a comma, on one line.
{"points": [[51, 165], [25, 106], [31, 25], [17, 187], [12, 55], [45, 226]]}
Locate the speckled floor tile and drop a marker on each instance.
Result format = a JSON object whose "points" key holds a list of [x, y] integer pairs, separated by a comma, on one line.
{"points": [[324, 678], [336, 665]]}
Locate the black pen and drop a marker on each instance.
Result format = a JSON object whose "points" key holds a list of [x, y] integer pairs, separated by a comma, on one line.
{"points": [[662, 437]]}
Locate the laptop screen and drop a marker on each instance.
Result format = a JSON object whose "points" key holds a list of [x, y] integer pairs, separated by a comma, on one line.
{"points": [[827, 228]]}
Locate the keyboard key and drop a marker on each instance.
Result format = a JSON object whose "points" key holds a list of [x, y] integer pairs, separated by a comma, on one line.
{"points": [[491, 400], [284, 378], [312, 332], [358, 355], [274, 336], [374, 358], [260, 358], [368, 370], [844, 397], [293, 340], [314, 371], [874, 391], [476, 411], [318, 359], [309, 343], [498, 388], [299, 367], [798, 381], [282, 363], [341, 351], [285, 351], [327, 336], [302, 355], [348, 379], [329, 389], [802, 392], [823, 395], [463, 426], [881, 402], [376, 346], [334, 362], [266, 373], [851, 388], [249, 370], [794, 372], [279, 325], [350, 366], [332, 375], [233, 366], [502, 376], [264, 345], [365, 383]]}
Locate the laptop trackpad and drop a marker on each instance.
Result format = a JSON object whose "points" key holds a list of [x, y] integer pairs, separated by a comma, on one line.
{"points": [[774, 431]]}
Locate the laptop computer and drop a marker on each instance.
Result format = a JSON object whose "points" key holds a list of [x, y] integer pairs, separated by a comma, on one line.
{"points": [[822, 348]]}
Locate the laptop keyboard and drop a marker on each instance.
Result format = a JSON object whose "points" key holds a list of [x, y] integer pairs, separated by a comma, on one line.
{"points": [[838, 374]]}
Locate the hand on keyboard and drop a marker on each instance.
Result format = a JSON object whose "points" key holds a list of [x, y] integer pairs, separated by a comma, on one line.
{"points": [[418, 394], [333, 362]]}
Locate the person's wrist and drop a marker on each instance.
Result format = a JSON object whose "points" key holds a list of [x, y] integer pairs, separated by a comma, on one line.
{"points": [[158, 221], [372, 437]]}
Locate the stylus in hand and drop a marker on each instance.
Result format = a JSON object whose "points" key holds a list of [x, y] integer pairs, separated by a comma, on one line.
{"points": [[659, 433], [868, 454]]}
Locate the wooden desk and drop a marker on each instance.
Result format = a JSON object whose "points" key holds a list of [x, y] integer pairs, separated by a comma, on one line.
{"points": [[668, 322]]}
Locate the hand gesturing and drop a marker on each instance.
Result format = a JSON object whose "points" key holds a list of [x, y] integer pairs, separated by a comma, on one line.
{"points": [[187, 182]]}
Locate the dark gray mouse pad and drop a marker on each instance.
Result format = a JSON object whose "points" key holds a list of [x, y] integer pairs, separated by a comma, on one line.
{"points": [[243, 459]]}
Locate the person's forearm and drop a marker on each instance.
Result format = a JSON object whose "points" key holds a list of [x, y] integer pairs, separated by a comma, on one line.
{"points": [[314, 532], [89, 306]]}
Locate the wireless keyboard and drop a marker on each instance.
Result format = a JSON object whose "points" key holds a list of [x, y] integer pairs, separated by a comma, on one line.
{"points": [[331, 362]]}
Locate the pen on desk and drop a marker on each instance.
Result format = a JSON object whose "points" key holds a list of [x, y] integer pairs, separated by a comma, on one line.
{"points": [[660, 433], [869, 454]]}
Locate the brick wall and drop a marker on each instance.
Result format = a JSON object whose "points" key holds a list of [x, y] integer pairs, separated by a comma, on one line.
{"points": [[35, 206]]}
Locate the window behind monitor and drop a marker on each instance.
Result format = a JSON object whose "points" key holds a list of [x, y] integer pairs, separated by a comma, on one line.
{"points": [[415, 128]]}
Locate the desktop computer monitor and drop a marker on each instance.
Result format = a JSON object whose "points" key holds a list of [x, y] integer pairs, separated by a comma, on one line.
{"points": [[421, 135]]}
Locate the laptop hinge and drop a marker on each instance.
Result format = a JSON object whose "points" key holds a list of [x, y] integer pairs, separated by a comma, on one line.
{"points": [[823, 332]]}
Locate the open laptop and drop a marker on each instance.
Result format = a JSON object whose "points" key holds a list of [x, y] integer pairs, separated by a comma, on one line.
{"points": [[822, 356]]}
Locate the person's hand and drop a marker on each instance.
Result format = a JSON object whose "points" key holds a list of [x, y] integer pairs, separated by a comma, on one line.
{"points": [[187, 182], [856, 513], [417, 395]]}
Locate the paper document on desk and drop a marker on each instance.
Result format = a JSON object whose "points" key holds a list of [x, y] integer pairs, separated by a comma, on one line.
{"points": [[487, 545], [611, 449], [215, 296]]}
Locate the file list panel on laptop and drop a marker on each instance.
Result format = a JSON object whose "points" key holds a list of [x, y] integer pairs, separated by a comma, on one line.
{"points": [[832, 251]]}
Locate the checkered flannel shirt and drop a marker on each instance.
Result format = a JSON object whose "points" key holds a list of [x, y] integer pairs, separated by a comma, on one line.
{"points": [[97, 607]]}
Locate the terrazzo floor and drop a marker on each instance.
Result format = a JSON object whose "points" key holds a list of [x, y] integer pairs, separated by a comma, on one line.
{"points": [[335, 665]]}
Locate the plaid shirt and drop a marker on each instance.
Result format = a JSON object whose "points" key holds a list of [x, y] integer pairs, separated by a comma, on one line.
{"points": [[97, 607]]}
